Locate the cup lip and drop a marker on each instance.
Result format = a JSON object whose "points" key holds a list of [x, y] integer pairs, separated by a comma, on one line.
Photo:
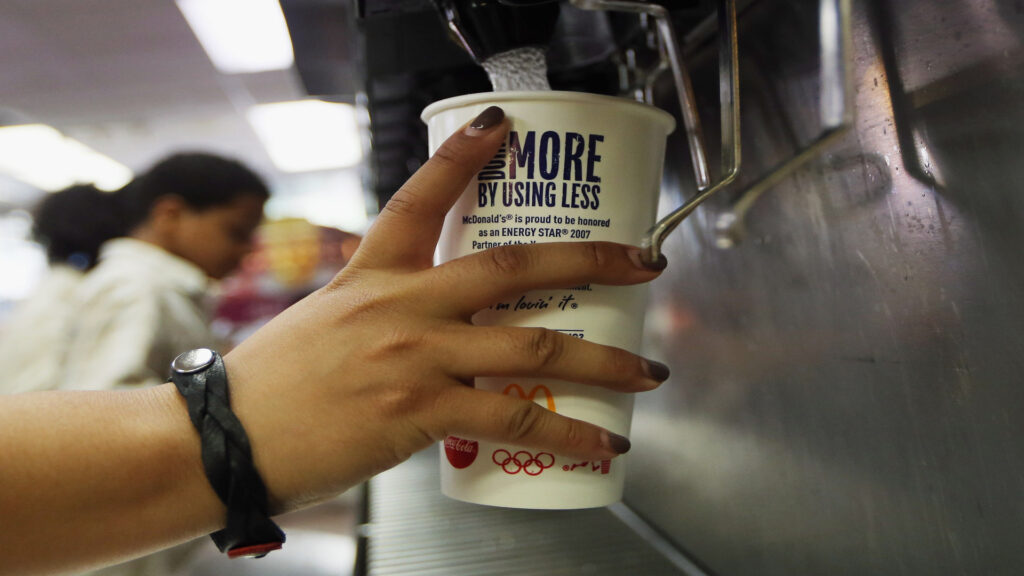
{"points": [[657, 114]]}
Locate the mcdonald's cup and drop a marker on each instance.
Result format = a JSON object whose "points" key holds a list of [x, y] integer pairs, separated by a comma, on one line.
{"points": [[574, 167]]}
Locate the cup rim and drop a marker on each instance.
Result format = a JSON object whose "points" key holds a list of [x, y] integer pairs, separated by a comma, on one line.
{"points": [[657, 114]]}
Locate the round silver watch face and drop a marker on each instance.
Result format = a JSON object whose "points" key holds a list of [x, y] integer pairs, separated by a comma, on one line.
{"points": [[192, 361]]}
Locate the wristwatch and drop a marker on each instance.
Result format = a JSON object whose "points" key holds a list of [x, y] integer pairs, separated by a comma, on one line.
{"points": [[200, 376]]}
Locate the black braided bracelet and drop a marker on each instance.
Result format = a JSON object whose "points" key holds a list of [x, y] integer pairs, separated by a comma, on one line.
{"points": [[201, 378]]}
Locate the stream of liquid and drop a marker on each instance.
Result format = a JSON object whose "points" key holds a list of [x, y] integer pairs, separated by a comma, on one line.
{"points": [[518, 70]]}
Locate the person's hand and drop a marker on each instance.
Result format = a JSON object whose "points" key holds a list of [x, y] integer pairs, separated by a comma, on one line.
{"points": [[380, 363]]}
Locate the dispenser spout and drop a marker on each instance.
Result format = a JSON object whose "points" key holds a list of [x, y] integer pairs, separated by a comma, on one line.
{"points": [[485, 28]]}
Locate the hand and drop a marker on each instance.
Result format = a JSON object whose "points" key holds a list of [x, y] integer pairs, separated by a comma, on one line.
{"points": [[380, 363]]}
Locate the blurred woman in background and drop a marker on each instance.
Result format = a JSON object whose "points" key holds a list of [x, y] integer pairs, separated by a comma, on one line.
{"points": [[155, 246], [188, 220]]}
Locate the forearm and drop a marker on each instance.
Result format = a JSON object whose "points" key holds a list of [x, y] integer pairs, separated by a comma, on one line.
{"points": [[99, 476]]}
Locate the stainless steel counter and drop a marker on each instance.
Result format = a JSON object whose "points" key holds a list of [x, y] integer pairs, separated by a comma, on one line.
{"points": [[415, 530]]}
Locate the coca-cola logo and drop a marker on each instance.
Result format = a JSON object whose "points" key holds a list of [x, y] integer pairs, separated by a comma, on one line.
{"points": [[460, 452]]}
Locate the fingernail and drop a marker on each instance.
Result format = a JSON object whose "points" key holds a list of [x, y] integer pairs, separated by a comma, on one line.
{"points": [[656, 370], [487, 119], [615, 443], [637, 256]]}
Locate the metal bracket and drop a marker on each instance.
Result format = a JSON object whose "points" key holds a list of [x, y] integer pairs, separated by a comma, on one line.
{"points": [[728, 96], [837, 114]]}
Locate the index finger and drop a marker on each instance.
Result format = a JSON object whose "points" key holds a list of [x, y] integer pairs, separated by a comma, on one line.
{"points": [[416, 212]]}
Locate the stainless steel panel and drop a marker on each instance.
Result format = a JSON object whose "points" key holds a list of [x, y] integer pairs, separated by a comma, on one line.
{"points": [[414, 530], [847, 393]]}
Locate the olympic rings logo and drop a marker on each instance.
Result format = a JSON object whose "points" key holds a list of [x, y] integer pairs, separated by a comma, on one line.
{"points": [[523, 461]]}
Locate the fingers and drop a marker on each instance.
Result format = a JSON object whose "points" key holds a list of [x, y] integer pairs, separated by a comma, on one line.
{"points": [[499, 418], [508, 271], [407, 230], [540, 353]]}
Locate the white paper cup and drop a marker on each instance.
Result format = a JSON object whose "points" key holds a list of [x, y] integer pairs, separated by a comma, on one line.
{"points": [[575, 167]]}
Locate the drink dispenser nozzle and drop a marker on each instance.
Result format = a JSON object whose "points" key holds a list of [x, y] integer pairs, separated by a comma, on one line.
{"points": [[485, 28]]}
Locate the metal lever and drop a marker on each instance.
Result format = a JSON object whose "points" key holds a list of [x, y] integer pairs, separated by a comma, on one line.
{"points": [[728, 96], [836, 116]]}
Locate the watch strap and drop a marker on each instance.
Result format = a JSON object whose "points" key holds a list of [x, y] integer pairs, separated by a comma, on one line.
{"points": [[227, 461]]}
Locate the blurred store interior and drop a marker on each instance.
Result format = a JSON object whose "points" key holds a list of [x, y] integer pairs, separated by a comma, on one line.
{"points": [[845, 341], [108, 88]]}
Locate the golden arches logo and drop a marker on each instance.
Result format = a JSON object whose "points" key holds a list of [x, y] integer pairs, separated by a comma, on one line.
{"points": [[533, 394]]}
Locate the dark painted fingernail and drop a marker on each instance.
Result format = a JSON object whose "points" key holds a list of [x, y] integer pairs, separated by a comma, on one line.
{"points": [[487, 119], [658, 264], [615, 443], [638, 256], [656, 370]]}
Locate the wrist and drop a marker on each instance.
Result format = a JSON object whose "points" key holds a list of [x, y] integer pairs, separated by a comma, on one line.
{"points": [[265, 438], [179, 442]]}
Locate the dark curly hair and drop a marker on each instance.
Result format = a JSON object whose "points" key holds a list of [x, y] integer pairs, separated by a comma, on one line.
{"points": [[74, 222], [202, 180]]}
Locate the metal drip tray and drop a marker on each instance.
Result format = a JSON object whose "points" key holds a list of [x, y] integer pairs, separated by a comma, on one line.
{"points": [[413, 529]]}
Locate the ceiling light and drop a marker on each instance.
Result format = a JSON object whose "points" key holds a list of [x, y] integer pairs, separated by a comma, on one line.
{"points": [[241, 35], [308, 135], [39, 155]]}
